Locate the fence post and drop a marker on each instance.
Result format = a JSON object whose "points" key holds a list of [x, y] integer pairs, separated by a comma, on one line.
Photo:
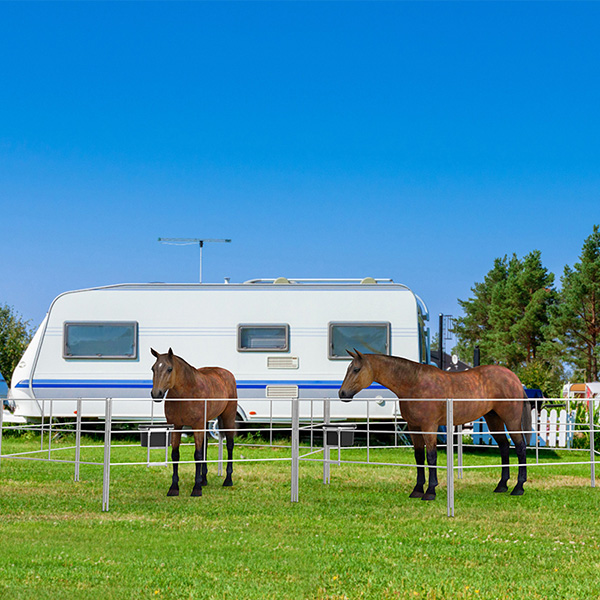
{"points": [[295, 448], [50, 431], [1, 429], [326, 449], [450, 455], [107, 436], [271, 422], [536, 430], [368, 436], [592, 453], [42, 424], [459, 453], [77, 439]]}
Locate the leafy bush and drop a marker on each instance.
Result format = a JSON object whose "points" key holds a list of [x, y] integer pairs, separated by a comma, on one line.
{"points": [[582, 434], [540, 374]]}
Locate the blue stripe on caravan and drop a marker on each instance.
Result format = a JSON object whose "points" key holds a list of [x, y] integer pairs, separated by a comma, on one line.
{"points": [[147, 384]]}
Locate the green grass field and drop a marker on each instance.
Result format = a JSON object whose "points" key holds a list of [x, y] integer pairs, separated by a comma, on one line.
{"points": [[359, 537]]}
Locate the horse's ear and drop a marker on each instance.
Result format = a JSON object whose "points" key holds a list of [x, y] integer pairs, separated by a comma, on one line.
{"points": [[358, 354], [154, 352], [170, 353], [350, 353]]}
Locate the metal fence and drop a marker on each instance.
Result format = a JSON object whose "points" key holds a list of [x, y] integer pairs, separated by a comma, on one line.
{"points": [[327, 440]]}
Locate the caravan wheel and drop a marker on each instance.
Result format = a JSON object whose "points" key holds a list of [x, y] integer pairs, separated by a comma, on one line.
{"points": [[213, 426]]}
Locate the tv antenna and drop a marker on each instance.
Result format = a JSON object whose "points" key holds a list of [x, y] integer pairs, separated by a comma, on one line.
{"points": [[189, 242]]}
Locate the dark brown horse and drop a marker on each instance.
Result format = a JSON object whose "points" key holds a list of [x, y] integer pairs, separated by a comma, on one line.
{"points": [[174, 375], [408, 379]]}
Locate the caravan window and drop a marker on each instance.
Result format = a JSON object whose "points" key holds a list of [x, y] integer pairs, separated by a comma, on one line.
{"points": [[372, 338], [263, 338], [100, 340]]}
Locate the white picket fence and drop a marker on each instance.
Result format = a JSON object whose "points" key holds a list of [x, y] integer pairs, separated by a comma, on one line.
{"points": [[556, 429]]}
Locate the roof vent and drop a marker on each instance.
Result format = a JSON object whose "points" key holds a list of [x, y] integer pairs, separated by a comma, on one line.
{"points": [[368, 280], [281, 280]]}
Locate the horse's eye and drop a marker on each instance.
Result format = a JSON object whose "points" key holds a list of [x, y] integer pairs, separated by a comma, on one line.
{"points": [[357, 369], [169, 369]]}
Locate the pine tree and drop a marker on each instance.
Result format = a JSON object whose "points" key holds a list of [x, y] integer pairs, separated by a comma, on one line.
{"points": [[576, 318], [508, 313]]}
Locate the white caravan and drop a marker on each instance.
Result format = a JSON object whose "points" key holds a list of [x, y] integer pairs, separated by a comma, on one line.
{"points": [[281, 339]]}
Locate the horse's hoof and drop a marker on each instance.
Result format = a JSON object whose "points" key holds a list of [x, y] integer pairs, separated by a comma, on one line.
{"points": [[204, 482], [501, 488], [197, 491], [518, 491], [228, 483], [428, 496], [173, 492], [416, 494]]}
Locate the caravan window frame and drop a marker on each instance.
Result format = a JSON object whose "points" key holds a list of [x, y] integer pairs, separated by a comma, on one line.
{"points": [[133, 324], [332, 324], [284, 326]]}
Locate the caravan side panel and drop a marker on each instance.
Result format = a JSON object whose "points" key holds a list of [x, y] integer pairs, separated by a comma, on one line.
{"points": [[201, 324]]}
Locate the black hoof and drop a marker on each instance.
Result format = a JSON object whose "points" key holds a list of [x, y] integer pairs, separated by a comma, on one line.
{"points": [[228, 483], [173, 492], [204, 482], [501, 488], [197, 491], [518, 491], [416, 494], [428, 496]]}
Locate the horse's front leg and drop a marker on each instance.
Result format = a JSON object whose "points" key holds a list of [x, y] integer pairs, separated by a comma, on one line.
{"points": [[175, 441], [227, 424], [419, 445], [431, 444], [201, 468]]}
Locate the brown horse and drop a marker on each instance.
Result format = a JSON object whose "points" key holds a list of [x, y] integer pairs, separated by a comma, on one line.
{"points": [[174, 375], [408, 379]]}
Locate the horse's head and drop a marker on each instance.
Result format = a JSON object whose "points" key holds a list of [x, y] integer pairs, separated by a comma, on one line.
{"points": [[358, 376], [163, 377]]}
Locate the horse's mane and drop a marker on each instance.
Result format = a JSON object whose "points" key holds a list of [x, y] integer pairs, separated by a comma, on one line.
{"points": [[404, 364], [185, 362], [393, 359]]}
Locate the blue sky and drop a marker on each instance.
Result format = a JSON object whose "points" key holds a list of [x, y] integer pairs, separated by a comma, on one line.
{"points": [[416, 141]]}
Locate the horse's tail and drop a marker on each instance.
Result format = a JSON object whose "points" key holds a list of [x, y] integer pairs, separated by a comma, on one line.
{"points": [[526, 423]]}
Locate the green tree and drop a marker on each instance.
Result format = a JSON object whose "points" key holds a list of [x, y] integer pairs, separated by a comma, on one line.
{"points": [[543, 375], [576, 317], [434, 345], [507, 316], [15, 335]]}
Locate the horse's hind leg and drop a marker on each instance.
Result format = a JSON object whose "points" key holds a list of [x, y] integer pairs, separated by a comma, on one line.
{"points": [[204, 479], [229, 472], [229, 425], [521, 449], [199, 460], [419, 446], [175, 441], [496, 427]]}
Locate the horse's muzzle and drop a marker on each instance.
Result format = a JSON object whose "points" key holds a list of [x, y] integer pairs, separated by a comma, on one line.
{"points": [[157, 395], [345, 396]]}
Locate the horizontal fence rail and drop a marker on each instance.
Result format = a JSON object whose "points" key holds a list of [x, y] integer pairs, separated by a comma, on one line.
{"points": [[326, 439]]}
